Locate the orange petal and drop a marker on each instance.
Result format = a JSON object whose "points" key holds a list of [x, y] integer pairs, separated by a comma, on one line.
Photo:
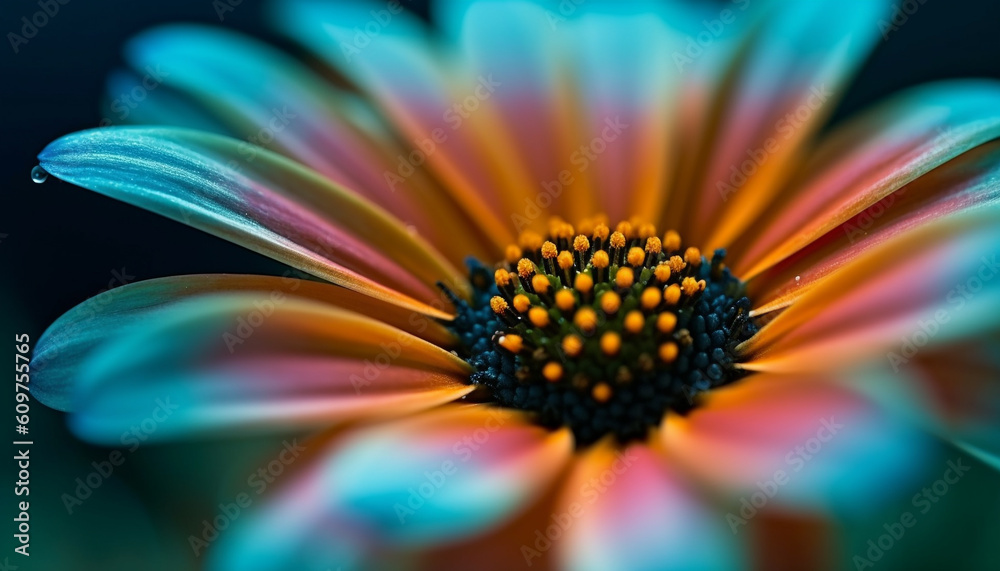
{"points": [[869, 158], [911, 288]]}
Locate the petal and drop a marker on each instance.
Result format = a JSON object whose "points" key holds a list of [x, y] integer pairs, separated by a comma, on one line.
{"points": [[628, 511], [781, 87], [260, 200], [529, 116], [161, 105], [401, 70], [272, 100], [925, 286], [803, 442], [961, 385], [79, 332], [870, 157], [521, 542], [242, 361], [442, 475], [966, 183], [628, 85]]}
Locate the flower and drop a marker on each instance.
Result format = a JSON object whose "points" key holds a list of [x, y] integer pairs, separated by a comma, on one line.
{"points": [[586, 402]]}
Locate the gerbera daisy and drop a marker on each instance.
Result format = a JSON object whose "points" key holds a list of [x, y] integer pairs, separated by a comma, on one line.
{"points": [[588, 290]]}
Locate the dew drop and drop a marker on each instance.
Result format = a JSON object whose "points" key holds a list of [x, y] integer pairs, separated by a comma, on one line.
{"points": [[39, 175]]}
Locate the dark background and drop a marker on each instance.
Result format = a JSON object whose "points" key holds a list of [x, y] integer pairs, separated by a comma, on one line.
{"points": [[60, 245]]}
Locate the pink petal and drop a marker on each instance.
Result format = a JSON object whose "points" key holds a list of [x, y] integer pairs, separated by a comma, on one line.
{"points": [[443, 475], [626, 510], [792, 441]]}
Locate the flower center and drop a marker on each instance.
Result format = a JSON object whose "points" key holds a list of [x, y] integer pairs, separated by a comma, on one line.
{"points": [[603, 332]]}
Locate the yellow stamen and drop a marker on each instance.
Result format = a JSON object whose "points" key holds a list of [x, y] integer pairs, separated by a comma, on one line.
{"points": [[624, 278], [611, 343], [676, 264], [586, 319], [540, 284], [636, 256], [625, 229], [522, 303], [618, 240], [565, 300], [552, 371], [650, 298], [601, 392], [513, 254], [666, 322], [583, 283], [502, 277], [692, 256], [610, 302], [581, 243], [601, 232], [646, 231], [572, 345], [672, 294], [653, 246], [498, 304], [512, 343], [538, 316], [668, 352], [565, 260], [530, 241], [635, 321], [662, 273], [525, 268], [600, 259], [690, 286], [671, 241], [549, 250]]}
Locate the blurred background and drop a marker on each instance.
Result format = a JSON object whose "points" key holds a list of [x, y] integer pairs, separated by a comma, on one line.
{"points": [[60, 245]]}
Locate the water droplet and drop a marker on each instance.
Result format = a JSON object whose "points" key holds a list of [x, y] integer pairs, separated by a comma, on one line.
{"points": [[39, 175]]}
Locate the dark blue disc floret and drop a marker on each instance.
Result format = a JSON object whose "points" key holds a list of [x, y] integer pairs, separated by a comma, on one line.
{"points": [[575, 341]]}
